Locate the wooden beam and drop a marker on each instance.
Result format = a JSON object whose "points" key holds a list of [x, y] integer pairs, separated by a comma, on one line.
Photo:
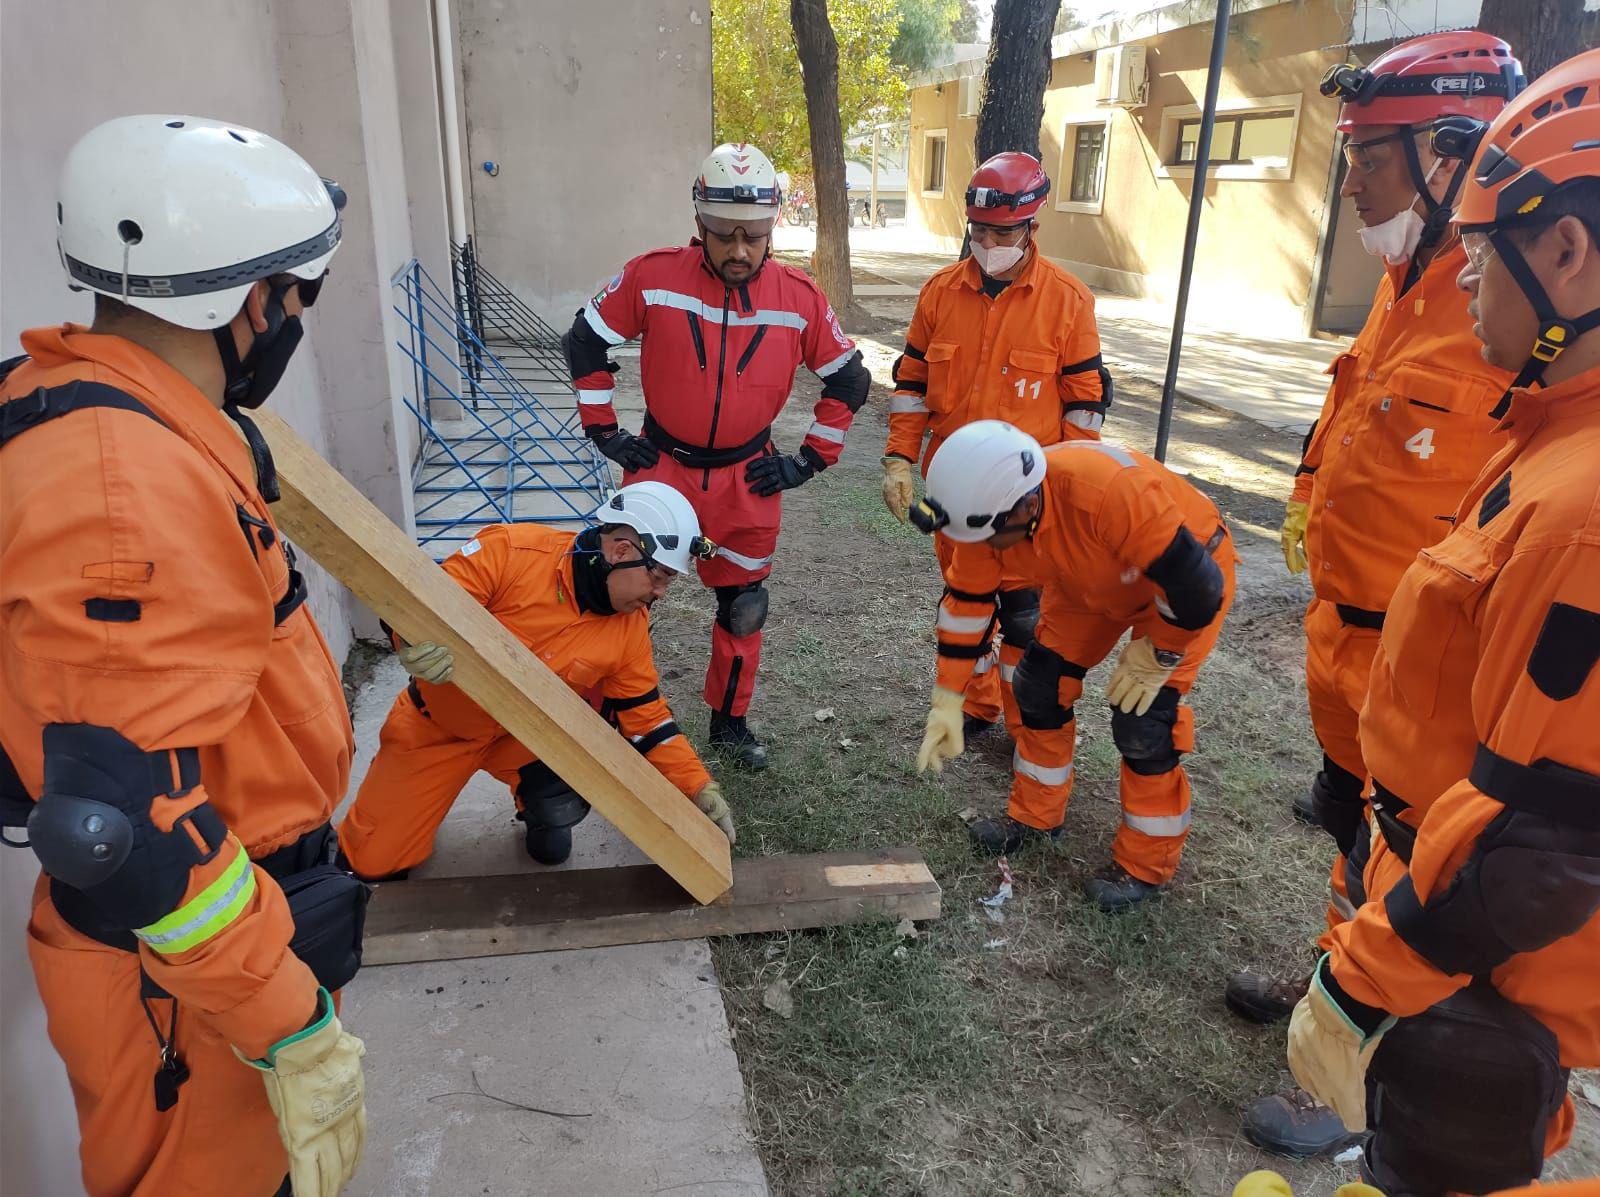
{"points": [[453, 918], [351, 539]]}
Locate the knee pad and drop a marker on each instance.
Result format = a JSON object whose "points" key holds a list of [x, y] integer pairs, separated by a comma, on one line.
{"points": [[1192, 581], [1152, 743], [1019, 616], [1037, 686], [1434, 1131], [93, 831], [547, 801], [742, 610]]}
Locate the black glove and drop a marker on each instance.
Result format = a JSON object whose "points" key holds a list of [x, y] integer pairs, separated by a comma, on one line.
{"points": [[767, 475], [628, 451]]}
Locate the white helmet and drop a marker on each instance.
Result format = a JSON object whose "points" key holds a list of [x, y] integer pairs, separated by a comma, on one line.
{"points": [[737, 182], [981, 472], [179, 215], [666, 523]]}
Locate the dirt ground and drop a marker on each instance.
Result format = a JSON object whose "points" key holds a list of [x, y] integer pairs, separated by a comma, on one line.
{"points": [[1051, 1049]]}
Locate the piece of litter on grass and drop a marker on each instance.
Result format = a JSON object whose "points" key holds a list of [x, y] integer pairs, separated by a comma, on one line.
{"points": [[823, 715], [906, 929], [994, 914], [1349, 1155], [967, 814], [778, 999], [999, 897], [991, 944], [773, 949], [900, 952], [847, 743]]}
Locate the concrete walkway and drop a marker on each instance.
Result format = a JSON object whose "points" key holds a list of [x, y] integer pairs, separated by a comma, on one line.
{"points": [[634, 1039]]}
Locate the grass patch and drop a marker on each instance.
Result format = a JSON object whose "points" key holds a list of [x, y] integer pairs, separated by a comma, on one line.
{"points": [[860, 506]]}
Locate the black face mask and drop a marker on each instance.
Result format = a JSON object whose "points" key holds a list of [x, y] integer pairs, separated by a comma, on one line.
{"points": [[251, 380], [589, 570]]}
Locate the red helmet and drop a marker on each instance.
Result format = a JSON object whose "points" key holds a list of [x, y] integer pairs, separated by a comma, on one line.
{"points": [[1463, 73], [1007, 189]]}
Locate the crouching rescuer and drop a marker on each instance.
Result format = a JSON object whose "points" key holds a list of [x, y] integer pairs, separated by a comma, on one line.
{"points": [[580, 602], [174, 729], [1117, 544]]}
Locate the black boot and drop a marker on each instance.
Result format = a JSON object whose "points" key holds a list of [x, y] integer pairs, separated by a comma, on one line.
{"points": [[1115, 890], [1293, 1124], [549, 845], [1003, 835], [550, 808], [973, 726], [342, 861], [1260, 998], [731, 736]]}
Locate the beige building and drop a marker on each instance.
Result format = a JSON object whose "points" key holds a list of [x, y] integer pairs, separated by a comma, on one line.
{"points": [[1121, 120]]}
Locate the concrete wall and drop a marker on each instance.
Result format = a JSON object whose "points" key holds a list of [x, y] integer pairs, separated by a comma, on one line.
{"points": [[329, 78], [598, 115], [1259, 236]]}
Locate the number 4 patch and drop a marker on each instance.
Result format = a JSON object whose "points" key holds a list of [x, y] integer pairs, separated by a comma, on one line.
{"points": [[1421, 444]]}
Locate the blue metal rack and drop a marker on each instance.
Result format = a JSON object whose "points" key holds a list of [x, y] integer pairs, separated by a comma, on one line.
{"points": [[499, 439]]}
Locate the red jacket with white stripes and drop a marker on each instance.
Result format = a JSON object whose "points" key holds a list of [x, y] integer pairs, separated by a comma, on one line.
{"points": [[718, 362]]}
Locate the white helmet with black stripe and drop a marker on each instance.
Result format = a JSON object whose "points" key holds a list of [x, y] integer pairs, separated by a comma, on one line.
{"points": [[180, 215], [737, 182], [982, 471], [669, 530]]}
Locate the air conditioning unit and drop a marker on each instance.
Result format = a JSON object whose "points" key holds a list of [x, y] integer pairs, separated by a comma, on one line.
{"points": [[971, 98], [1119, 76]]}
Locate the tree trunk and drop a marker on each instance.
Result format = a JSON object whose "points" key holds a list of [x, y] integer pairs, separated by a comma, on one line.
{"points": [[1541, 32], [819, 65], [1016, 75]]}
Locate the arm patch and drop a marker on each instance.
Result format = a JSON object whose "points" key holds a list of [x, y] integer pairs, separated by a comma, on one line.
{"points": [[1566, 651]]}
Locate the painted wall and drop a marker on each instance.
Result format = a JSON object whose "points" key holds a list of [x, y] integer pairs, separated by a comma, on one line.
{"points": [[1258, 238], [598, 116]]}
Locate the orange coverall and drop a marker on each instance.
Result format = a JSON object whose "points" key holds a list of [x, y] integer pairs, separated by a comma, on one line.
{"points": [[1485, 697], [1108, 514], [106, 507], [1030, 357], [1403, 432], [436, 737]]}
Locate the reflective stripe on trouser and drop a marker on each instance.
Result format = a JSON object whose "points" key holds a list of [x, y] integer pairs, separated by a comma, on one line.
{"points": [[1041, 766], [222, 1126], [413, 782], [731, 675], [1155, 822], [989, 692]]}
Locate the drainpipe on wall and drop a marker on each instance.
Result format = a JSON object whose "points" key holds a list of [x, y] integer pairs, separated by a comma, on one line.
{"points": [[445, 50]]}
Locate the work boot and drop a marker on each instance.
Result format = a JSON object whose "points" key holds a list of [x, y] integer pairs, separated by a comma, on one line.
{"points": [[1115, 890], [1305, 807], [1294, 1124], [731, 736], [342, 861], [1004, 835], [973, 726], [1257, 997], [549, 845]]}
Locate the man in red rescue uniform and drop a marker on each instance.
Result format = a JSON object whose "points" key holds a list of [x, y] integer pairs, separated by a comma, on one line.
{"points": [[723, 331], [1448, 1012], [1404, 430], [174, 729], [1005, 334]]}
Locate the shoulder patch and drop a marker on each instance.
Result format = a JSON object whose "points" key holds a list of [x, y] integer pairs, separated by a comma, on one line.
{"points": [[1566, 651], [1496, 500], [471, 547]]}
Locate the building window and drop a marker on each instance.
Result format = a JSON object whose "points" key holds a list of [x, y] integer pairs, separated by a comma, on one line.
{"points": [[1262, 139], [1088, 163], [933, 147]]}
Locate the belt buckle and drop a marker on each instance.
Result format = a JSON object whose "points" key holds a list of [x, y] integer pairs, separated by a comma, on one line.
{"points": [[679, 453]]}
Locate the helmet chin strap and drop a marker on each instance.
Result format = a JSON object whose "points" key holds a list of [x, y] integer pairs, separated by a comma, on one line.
{"points": [[1555, 333]]}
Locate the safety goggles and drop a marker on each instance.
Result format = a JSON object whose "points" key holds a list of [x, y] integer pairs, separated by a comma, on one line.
{"points": [[1359, 154], [993, 197], [996, 234], [307, 288], [727, 230], [928, 515], [1479, 250], [700, 547]]}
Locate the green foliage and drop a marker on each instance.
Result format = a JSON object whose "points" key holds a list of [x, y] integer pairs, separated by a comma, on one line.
{"points": [[925, 27], [965, 27], [758, 95]]}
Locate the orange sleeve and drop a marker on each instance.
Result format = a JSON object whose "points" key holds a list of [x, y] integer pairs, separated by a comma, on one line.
{"points": [[965, 625], [908, 406], [1137, 522], [134, 603], [1311, 447], [633, 697], [1084, 383]]}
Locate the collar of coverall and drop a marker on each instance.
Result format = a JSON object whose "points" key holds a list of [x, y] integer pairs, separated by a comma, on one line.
{"points": [[972, 277], [1447, 257], [1575, 398]]}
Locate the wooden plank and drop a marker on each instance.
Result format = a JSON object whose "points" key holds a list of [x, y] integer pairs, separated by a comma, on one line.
{"points": [[453, 918], [350, 538]]}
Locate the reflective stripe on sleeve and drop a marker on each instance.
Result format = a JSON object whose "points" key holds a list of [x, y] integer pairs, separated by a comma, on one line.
{"points": [[1045, 775], [595, 398], [208, 913], [1160, 826], [822, 432], [1083, 418], [1007, 673], [592, 314], [831, 367], [900, 402], [961, 625]]}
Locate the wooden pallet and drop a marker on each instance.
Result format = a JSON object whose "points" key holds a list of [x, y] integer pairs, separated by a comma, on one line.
{"points": [[453, 918]]}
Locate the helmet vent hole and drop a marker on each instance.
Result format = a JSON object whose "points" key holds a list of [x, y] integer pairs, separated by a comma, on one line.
{"points": [[130, 232], [236, 135], [174, 124], [1573, 96]]}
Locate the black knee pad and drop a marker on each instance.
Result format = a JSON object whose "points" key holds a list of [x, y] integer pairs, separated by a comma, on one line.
{"points": [[1145, 741], [1019, 616], [742, 610], [547, 801], [1037, 686], [1460, 1097]]}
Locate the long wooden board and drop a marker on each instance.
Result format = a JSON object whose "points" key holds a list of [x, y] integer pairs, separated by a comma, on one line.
{"points": [[454, 918], [351, 539]]}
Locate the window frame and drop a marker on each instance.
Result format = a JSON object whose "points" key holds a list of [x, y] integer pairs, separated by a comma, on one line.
{"points": [[1174, 118], [935, 135], [1069, 148]]}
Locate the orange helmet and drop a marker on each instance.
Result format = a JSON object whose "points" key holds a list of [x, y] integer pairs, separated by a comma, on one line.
{"points": [[1007, 189], [1461, 73], [1546, 138]]}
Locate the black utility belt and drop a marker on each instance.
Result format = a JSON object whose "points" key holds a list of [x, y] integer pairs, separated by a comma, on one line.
{"points": [[1359, 617], [328, 904], [1386, 806], [702, 457]]}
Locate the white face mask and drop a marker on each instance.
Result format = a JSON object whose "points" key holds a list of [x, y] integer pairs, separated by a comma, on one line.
{"points": [[1397, 238], [997, 259]]}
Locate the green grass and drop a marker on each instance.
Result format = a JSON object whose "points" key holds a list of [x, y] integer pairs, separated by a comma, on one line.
{"points": [[860, 506]]}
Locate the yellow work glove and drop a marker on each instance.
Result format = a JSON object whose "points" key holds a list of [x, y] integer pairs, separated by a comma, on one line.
{"points": [[944, 739], [316, 1091], [899, 490], [1138, 677], [428, 662], [1293, 535], [1262, 1184], [1329, 1053], [715, 807]]}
